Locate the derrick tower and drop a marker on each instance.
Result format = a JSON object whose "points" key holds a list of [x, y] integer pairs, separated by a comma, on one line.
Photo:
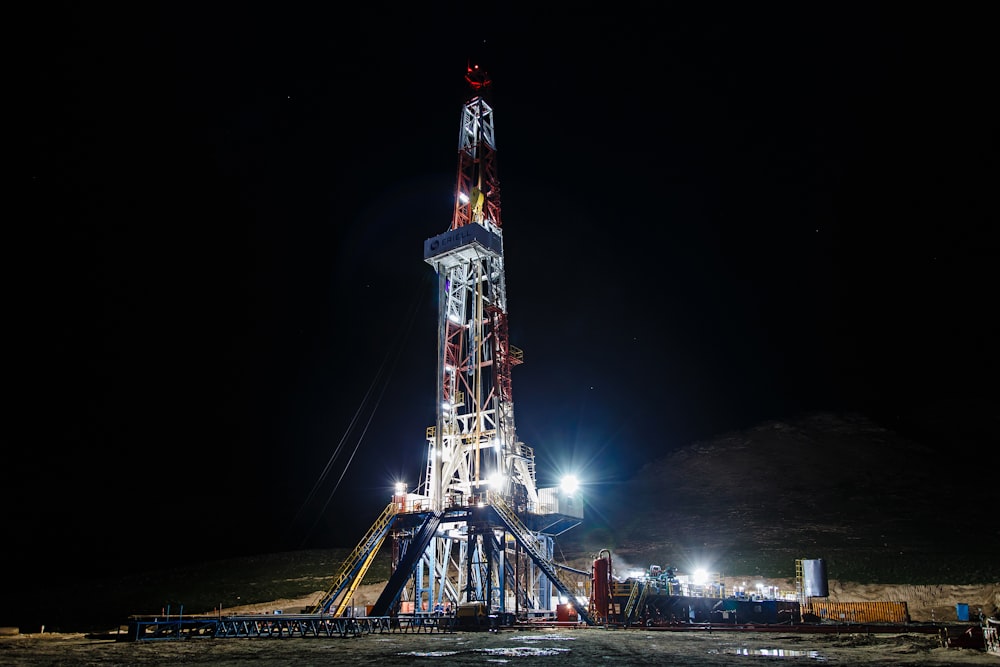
{"points": [[473, 447], [476, 528]]}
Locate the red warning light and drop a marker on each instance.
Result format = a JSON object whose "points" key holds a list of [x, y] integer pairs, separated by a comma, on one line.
{"points": [[476, 77]]}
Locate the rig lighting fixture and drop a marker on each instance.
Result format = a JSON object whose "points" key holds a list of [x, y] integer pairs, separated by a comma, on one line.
{"points": [[569, 484]]}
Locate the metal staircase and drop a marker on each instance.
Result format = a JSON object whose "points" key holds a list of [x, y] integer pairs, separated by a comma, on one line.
{"points": [[406, 565], [357, 562], [636, 599], [529, 543], [528, 453]]}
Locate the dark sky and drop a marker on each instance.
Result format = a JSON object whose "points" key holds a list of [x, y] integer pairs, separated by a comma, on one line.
{"points": [[711, 218]]}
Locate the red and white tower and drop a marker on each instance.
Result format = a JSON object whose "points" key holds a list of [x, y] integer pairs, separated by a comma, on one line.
{"points": [[473, 447], [477, 530]]}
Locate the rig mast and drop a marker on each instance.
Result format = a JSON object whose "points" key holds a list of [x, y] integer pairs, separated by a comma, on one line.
{"points": [[477, 529], [473, 447]]}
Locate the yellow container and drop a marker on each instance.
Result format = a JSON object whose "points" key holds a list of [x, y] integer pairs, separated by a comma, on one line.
{"points": [[861, 612]]}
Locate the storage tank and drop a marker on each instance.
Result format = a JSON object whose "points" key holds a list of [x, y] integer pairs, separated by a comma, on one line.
{"points": [[814, 582], [600, 591]]}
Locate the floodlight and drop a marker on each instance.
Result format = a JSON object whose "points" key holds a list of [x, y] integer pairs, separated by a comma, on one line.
{"points": [[569, 484]]}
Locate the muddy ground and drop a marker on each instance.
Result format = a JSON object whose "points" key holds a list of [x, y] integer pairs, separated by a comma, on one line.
{"points": [[562, 647]]}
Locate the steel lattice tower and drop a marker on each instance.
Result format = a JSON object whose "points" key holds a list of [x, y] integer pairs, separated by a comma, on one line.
{"points": [[476, 530], [473, 446]]}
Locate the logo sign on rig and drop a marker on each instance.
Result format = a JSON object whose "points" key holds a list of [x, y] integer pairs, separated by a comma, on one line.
{"points": [[465, 244]]}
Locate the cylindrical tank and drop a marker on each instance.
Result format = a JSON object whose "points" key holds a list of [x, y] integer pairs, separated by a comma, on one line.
{"points": [[814, 582], [600, 595]]}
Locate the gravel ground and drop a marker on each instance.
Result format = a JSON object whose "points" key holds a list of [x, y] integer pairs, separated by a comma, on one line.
{"points": [[524, 648]]}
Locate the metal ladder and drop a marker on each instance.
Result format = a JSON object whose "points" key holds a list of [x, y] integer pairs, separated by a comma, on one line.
{"points": [[800, 590]]}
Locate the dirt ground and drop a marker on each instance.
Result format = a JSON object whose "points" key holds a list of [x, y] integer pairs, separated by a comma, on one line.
{"points": [[548, 647]]}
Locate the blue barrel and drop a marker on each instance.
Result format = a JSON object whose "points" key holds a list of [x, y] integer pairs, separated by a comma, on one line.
{"points": [[962, 610]]}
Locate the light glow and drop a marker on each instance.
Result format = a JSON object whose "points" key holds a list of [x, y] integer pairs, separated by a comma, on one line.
{"points": [[569, 484]]}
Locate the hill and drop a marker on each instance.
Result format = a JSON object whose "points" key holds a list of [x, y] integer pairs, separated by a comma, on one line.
{"points": [[877, 506]]}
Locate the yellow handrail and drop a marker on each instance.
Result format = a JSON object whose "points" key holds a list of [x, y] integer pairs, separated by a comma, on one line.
{"points": [[364, 548]]}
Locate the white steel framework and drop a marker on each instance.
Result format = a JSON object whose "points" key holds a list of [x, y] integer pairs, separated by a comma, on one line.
{"points": [[474, 458], [477, 529]]}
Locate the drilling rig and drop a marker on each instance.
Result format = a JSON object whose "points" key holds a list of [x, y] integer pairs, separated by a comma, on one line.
{"points": [[476, 532]]}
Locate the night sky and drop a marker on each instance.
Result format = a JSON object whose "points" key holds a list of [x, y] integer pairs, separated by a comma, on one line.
{"points": [[225, 328]]}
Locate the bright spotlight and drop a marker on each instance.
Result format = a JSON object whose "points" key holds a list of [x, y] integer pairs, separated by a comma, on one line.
{"points": [[700, 577], [569, 484]]}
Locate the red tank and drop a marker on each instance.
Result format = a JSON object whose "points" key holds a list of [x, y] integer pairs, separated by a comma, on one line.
{"points": [[600, 591]]}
